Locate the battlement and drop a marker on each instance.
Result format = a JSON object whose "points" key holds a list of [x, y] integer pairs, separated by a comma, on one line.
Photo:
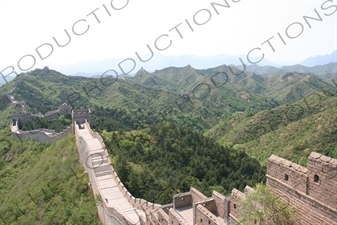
{"points": [[24, 116], [310, 190]]}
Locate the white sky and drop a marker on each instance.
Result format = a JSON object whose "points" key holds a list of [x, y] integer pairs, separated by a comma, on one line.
{"points": [[27, 24]]}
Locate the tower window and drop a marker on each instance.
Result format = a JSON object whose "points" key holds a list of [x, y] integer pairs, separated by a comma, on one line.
{"points": [[316, 178], [286, 177]]}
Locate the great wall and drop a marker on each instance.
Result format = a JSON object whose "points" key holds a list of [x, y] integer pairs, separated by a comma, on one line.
{"points": [[42, 135], [311, 190]]}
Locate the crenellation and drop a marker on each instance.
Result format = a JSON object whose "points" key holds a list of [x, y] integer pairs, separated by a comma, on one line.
{"points": [[312, 189], [197, 195], [175, 218], [181, 200], [204, 216], [163, 217], [236, 197], [208, 203], [220, 202]]}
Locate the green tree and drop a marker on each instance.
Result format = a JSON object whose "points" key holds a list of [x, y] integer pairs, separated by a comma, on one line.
{"points": [[263, 207]]}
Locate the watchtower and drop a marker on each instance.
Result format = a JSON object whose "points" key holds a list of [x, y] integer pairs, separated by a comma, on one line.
{"points": [[80, 116]]}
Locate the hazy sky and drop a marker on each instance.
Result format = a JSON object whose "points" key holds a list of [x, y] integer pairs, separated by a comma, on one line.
{"points": [[245, 25]]}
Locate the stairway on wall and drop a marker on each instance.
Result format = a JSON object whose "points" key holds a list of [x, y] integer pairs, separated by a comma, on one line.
{"points": [[109, 189]]}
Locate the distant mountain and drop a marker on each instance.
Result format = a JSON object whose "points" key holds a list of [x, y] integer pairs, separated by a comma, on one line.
{"points": [[158, 61], [323, 71], [320, 59], [329, 68]]}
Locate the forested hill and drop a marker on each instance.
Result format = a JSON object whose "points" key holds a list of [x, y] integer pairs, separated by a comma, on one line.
{"points": [[209, 95], [291, 131], [155, 124], [43, 184], [164, 160]]}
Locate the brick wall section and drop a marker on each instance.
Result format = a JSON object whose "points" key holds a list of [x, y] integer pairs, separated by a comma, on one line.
{"points": [[175, 218], [236, 197], [196, 195], [325, 189], [208, 204], [313, 198], [204, 216], [220, 203], [288, 172], [307, 209], [181, 200], [163, 217]]}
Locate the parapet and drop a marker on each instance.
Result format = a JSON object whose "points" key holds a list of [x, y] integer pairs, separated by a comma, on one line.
{"points": [[311, 190]]}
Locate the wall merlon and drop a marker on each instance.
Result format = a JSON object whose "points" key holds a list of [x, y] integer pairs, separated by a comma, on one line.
{"points": [[196, 195], [333, 162], [237, 193], [248, 189], [325, 158], [314, 155]]}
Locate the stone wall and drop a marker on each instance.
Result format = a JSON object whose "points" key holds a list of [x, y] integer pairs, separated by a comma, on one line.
{"points": [[208, 203], [181, 200], [197, 195], [204, 216], [163, 217], [220, 203], [234, 206], [175, 218], [42, 135], [108, 215], [110, 212], [311, 191]]}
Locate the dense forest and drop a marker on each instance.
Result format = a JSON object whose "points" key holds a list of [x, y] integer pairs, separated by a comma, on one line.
{"points": [[163, 160]]}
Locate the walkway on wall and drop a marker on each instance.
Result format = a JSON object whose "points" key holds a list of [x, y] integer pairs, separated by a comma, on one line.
{"points": [[111, 194]]}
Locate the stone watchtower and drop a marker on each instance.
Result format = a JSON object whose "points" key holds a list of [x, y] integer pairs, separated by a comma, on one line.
{"points": [[80, 116]]}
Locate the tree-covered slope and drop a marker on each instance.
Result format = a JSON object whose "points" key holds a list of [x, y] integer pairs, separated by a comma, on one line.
{"points": [[290, 131], [43, 184], [163, 160]]}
